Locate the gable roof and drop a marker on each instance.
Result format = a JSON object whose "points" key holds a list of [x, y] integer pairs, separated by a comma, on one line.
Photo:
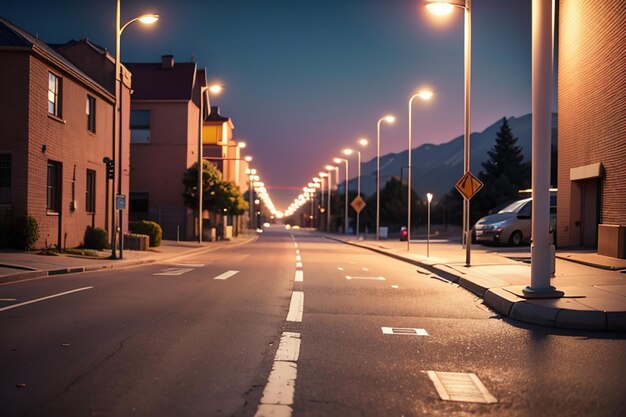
{"points": [[153, 82], [13, 37]]}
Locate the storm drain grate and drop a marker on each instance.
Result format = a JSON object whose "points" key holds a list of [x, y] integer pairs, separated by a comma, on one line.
{"points": [[408, 331], [458, 386]]}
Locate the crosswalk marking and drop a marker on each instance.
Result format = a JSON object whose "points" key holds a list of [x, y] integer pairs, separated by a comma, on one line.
{"points": [[226, 275]]}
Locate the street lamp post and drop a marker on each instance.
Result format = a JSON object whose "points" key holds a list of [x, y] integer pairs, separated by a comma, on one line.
{"points": [[345, 215], [117, 122], [442, 8], [429, 197], [389, 119], [424, 95], [329, 169]]}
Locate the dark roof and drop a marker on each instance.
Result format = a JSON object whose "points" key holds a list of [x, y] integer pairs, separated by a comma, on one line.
{"points": [[215, 116], [13, 36], [152, 82]]}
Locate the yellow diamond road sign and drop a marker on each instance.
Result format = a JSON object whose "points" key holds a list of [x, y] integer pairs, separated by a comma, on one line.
{"points": [[358, 203], [468, 185]]}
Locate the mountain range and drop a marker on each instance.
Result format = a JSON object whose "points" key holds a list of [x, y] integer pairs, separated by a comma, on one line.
{"points": [[436, 168]]}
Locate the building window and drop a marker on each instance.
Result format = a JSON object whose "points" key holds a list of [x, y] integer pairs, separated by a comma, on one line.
{"points": [[90, 192], [5, 178], [54, 95], [53, 194], [139, 206], [140, 126], [91, 114]]}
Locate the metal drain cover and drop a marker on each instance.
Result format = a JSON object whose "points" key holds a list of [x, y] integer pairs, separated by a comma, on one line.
{"points": [[464, 387]]}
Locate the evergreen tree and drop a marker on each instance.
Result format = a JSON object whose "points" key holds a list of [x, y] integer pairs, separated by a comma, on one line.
{"points": [[505, 173]]}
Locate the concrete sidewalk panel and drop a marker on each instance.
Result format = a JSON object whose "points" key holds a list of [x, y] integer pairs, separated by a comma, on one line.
{"points": [[581, 320], [500, 300], [616, 321]]}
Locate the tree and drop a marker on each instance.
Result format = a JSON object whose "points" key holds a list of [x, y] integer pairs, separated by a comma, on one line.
{"points": [[504, 173]]}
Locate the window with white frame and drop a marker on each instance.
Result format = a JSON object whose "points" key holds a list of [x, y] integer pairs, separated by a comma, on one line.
{"points": [[54, 94]]}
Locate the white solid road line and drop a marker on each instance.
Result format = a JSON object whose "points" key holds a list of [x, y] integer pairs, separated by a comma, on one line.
{"points": [[44, 298], [226, 275], [296, 306], [289, 347], [299, 277]]}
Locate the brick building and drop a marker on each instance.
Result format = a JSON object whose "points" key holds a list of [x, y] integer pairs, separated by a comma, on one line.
{"points": [[165, 121], [592, 126], [56, 126]]}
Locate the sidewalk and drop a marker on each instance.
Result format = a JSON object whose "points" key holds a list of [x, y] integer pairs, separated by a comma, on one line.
{"points": [[594, 286], [17, 266]]}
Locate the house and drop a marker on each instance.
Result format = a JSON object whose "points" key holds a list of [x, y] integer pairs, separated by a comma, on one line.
{"points": [[591, 199], [164, 124], [56, 127]]}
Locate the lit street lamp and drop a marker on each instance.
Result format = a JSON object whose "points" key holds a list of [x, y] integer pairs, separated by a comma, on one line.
{"points": [[424, 95], [147, 19], [441, 8], [345, 215], [388, 119], [330, 168]]}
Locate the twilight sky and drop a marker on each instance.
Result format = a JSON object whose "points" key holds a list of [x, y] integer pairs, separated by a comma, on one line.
{"points": [[304, 79]]}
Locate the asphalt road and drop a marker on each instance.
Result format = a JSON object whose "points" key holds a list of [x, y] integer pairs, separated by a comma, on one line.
{"points": [[172, 340]]}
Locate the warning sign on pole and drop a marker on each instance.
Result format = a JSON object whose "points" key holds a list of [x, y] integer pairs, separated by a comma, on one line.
{"points": [[468, 185], [358, 203]]}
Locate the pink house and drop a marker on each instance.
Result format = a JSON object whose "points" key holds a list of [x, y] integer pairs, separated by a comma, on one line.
{"points": [[56, 126], [165, 121]]}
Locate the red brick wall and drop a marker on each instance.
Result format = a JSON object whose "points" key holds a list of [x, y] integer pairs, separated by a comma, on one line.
{"points": [[14, 122], [592, 105], [67, 141]]}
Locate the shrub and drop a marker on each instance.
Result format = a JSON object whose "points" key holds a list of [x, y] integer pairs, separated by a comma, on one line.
{"points": [[24, 233], [95, 238], [152, 229]]}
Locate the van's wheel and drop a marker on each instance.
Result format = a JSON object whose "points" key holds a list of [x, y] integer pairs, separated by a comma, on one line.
{"points": [[516, 238]]}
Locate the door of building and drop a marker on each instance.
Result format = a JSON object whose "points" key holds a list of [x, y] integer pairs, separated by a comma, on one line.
{"points": [[589, 212]]}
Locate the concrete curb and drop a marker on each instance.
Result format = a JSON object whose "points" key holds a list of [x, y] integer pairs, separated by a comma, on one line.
{"points": [[116, 264], [517, 308], [591, 264]]}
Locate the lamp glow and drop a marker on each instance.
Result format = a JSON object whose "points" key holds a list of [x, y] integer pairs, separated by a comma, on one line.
{"points": [[348, 151], [440, 9], [216, 89], [247, 158], [390, 119], [148, 19], [363, 142], [425, 95]]}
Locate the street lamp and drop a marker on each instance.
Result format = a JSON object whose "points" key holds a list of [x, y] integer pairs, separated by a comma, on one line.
{"points": [[330, 168], [441, 8], [390, 120], [345, 218], [323, 175], [429, 197], [200, 185], [147, 19], [424, 95]]}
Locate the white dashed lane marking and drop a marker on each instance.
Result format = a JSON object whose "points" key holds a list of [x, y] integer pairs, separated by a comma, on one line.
{"points": [[296, 306], [299, 276], [226, 275], [404, 331], [350, 277]]}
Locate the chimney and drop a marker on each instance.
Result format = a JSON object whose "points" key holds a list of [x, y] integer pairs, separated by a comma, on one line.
{"points": [[167, 61], [215, 110]]}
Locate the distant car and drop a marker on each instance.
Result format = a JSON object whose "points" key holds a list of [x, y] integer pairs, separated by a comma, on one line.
{"points": [[404, 234], [510, 225], [295, 226]]}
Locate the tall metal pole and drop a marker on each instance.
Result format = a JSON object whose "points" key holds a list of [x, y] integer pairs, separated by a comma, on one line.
{"points": [[328, 203], [200, 165], [345, 194], [116, 121], [542, 250], [428, 233], [377, 179], [358, 190], [466, 156], [408, 221], [321, 201]]}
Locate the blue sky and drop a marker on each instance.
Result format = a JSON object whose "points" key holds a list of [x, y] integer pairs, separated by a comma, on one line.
{"points": [[304, 79]]}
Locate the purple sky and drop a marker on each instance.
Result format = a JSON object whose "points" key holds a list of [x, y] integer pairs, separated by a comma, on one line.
{"points": [[304, 79]]}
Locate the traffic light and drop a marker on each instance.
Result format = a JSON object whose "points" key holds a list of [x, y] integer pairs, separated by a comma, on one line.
{"points": [[110, 168]]}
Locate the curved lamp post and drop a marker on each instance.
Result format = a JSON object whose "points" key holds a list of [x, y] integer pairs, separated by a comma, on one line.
{"points": [[424, 95], [345, 218], [390, 120], [441, 8], [117, 121]]}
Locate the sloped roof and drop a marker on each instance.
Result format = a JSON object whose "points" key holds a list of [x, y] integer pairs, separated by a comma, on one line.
{"points": [[13, 36], [153, 82]]}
